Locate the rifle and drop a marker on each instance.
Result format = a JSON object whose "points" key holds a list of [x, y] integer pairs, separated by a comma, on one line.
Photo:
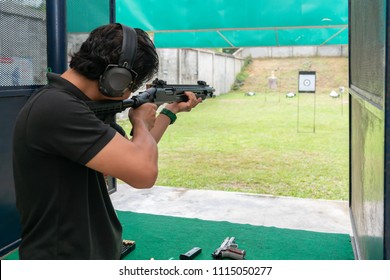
{"points": [[159, 92]]}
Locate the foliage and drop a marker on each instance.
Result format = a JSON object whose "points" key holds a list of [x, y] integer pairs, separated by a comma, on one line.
{"points": [[242, 75]]}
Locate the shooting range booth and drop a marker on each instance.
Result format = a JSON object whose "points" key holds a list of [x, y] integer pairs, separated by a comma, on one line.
{"points": [[34, 40], [369, 67]]}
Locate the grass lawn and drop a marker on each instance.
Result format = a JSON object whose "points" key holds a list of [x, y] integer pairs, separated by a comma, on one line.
{"points": [[255, 144]]}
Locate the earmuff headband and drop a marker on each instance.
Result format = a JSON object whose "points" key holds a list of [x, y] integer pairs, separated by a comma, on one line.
{"points": [[129, 46]]}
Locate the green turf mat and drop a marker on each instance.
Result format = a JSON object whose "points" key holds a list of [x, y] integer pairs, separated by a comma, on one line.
{"points": [[166, 237]]}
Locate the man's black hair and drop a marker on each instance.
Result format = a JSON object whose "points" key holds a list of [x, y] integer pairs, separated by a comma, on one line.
{"points": [[104, 45]]}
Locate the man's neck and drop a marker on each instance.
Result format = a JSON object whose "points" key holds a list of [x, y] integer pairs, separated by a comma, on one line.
{"points": [[88, 87]]}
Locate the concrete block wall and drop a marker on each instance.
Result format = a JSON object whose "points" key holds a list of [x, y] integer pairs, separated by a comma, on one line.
{"points": [[296, 51], [205, 67]]}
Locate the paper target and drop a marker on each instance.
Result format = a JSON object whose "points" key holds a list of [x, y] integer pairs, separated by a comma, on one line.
{"points": [[307, 81]]}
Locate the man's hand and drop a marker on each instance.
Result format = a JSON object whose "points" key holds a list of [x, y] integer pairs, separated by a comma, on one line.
{"points": [[178, 107], [145, 114]]}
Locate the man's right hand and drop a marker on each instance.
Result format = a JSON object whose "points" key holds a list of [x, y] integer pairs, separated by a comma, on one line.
{"points": [[145, 114]]}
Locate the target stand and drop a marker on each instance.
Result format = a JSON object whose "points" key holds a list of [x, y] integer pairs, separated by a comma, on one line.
{"points": [[306, 84]]}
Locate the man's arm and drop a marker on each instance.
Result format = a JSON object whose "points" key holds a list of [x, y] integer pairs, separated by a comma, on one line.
{"points": [[133, 161]]}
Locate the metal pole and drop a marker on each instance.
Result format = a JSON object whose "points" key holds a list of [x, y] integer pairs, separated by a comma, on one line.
{"points": [[112, 11], [56, 36]]}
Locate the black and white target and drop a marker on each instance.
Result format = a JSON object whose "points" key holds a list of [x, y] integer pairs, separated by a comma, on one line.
{"points": [[307, 81]]}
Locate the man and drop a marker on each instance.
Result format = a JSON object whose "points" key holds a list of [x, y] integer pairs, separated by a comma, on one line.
{"points": [[61, 149]]}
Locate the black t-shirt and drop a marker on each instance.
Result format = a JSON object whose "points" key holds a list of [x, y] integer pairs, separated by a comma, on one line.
{"points": [[65, 209]]}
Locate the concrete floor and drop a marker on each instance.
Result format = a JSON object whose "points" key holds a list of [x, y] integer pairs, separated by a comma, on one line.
{"points": [[283, 212]]}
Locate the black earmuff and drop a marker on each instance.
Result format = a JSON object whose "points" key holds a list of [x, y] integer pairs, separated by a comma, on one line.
{"points": [[119, 77]]}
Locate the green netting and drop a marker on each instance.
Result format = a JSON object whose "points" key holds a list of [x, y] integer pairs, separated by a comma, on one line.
{"points": [[252, 38], [221, 23], [201, 14], [84, 16], [232, 23]]}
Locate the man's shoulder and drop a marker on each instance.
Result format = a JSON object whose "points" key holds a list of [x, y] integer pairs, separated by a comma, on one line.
{"points": [[50, 92], [51, 99]]}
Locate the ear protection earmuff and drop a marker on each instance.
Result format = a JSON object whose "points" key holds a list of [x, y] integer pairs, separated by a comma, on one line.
{"points": [[119, 77]]}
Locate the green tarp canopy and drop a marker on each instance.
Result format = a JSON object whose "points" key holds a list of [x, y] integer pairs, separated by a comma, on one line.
{"points": [[234, 23]]}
